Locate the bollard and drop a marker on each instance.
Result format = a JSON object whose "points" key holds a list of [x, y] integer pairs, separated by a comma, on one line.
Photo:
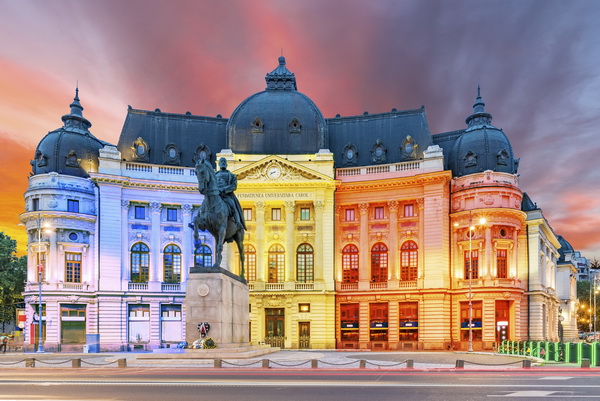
{"points": [[265, 363], [30, 362], [314, 363], [409, 363], [585, 363], [526, 363], [460, 364], [76, 363], [218, 363], [122, 363], [362, 364]]}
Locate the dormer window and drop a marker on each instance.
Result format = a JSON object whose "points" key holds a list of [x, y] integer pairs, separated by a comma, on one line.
{"points": [[202, 153], [257, 126], [470, 159], [295, 126], [41, 160], [502, 157], [140, 150], [409, 148], [379, 152], [71, 159], [349, 154], [171, 154]]}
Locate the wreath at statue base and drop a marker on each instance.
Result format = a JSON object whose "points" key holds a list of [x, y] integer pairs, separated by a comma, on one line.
{"points": [[204, 343]]}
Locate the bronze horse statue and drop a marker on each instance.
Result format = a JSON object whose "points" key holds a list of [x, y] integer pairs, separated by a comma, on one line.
{"points": [[214, 215]]}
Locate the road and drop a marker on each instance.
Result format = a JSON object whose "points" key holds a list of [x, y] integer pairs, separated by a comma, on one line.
{"points": [[151, 384]]}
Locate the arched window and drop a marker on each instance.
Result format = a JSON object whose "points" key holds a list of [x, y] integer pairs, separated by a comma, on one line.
{"points": [[409, 261], [276, 264], [379, 263], [350, 264], [140, 262], [203, 256], [250, 262], [172, 264], [305, 257]]}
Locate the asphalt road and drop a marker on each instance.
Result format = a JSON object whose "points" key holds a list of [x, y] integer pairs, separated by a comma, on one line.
{"points": [[301, 385]]}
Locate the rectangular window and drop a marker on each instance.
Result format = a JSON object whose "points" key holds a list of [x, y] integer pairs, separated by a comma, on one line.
{"points": [[140, 212], [72, 206], [35, 204], [473, 260], [139, 323], [72, 267], [501, 265], [171, 214], [378, 321], [247, 214], [276, 214], [72, 324], [304, 213], [41, 267], [409, 210], [476, 321], [171, 326], [379, 213], [408, 318], [350, 215], [349, 322]]}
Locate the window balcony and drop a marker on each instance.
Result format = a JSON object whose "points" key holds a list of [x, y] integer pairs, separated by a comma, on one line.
{"points": [[137, 286], [305, 286], [171, 287], [273, 286]]}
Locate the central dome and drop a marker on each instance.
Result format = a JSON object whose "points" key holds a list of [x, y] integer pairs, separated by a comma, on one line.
{"points": [[279, 120]]}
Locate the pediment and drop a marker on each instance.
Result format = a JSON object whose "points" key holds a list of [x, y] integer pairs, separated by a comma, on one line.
{"points": [[275, 168]]}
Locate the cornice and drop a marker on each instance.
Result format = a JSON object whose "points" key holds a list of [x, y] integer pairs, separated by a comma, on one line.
{"points": [[394, 183]]}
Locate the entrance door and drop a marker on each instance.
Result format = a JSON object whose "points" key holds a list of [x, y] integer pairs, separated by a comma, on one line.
{"points": [[275, 326], [304, 331]]}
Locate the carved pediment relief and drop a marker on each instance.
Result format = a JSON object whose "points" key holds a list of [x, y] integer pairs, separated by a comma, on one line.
{"points": [[276, 169]]}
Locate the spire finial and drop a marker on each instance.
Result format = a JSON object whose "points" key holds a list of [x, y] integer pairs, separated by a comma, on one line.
{"points": [[77, 90], [479, 116], [478, 91]]}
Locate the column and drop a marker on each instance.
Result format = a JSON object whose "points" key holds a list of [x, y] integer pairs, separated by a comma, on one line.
{"points": [[512, 269], [364, 267], [488, 257], [319, 245], [125, 248], [54, 270], [259, 206], [290, 244], [394, 267], [421, 244], [188, 247], [155, 251]]}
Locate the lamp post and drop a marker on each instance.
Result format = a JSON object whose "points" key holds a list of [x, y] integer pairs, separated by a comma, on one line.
{"points": [[40, 269], [470, 270]]}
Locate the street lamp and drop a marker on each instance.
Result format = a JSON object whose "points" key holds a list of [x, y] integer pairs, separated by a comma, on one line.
{"points": [[40, 269], [470, 270]]}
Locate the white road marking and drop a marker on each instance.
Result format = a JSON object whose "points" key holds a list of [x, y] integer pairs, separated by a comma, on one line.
{"points": [[528, 393], [556, 378]]}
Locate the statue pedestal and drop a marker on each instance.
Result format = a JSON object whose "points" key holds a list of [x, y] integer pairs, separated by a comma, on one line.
{"points": [[220, 298]]}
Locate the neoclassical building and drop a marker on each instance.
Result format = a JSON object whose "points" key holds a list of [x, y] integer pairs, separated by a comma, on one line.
{"points": [[364, 232]]}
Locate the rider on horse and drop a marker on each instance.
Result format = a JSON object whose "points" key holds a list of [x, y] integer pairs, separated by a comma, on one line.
{"points": [[227, 182]]}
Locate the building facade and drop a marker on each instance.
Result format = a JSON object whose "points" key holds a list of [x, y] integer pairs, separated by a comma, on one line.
{"points": [[365, 232]]}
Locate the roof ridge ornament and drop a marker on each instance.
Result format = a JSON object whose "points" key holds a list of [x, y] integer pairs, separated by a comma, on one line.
{"points": [[75, 118], [281, 78], [479, 116]]}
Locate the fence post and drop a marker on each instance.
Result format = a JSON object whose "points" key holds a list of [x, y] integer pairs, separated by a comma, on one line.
{"points": [[218, 363], [265, 363], [409, 363], [314, 363], [362, 364], [460, 364], [30, 362], [526, 363], [76, 363], [122, 363]]}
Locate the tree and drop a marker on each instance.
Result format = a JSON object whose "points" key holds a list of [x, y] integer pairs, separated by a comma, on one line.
{"points": [[585, 313], [13, 273]]}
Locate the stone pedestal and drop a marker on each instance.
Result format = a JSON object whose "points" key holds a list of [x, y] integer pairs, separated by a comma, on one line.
{"points": [[219, 297]]}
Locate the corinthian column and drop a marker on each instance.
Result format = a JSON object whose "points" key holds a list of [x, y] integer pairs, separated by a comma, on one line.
{"points": [[392, 258], [364, 267], [155, 251], [259, 206], [188, 247], [290, 244]]}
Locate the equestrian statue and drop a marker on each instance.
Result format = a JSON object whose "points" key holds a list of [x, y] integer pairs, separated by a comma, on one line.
{"points": [[220, 213]]}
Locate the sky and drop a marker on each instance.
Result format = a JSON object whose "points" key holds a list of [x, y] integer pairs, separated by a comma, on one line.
{"points": [[537, 63]]}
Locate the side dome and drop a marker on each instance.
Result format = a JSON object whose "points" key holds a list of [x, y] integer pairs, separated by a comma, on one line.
{"points": [[71, 149], [565, 248], [481, 146], [279, 120]]}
